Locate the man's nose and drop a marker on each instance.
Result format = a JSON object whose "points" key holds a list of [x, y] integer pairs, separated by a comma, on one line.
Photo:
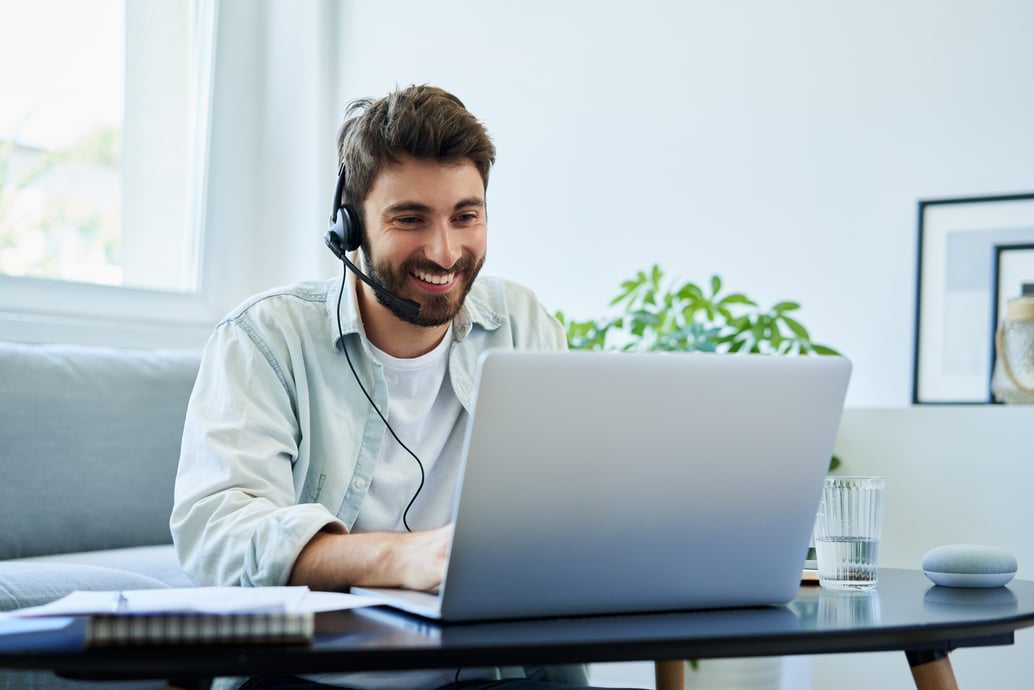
{"points": [[443, 246]]}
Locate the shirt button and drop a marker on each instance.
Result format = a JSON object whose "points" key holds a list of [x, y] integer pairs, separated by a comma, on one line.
{"points": [[360, 483]]}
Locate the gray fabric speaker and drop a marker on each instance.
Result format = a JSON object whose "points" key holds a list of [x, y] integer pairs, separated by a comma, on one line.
{"points": [[969, 565]]}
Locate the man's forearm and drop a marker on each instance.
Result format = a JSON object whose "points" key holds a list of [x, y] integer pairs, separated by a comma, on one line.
{"points": [[334, 560]]}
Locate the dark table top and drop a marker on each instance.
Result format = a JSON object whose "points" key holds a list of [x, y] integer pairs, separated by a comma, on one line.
{"points": [[907, 612]]}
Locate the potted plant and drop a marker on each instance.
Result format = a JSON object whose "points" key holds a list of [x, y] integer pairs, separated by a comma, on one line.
{"points": [[671, 317]]}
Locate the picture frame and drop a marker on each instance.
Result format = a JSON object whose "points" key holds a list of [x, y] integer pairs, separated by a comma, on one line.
{"points": [[957, 292], [1014, 268]]}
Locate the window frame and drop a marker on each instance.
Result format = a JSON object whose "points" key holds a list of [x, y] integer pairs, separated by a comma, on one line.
{"points": [[37, 309]]}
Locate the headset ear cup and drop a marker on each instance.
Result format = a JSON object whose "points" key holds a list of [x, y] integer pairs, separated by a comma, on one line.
{"points": [[351, 228], [344, 234]]}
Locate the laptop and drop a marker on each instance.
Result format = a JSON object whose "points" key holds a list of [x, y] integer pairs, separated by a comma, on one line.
{"points": [[609, 483]]}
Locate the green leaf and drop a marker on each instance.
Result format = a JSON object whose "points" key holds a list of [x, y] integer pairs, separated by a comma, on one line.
{"points": [[716, 285], [736, 298], [690, 291], [823, 350], [656, 274], [785, 306], [798, 329], [643, 315], [621, 297], [740, 322], [759, 331]]}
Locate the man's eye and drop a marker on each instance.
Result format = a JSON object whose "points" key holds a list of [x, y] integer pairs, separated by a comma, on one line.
{"points": [[408, 220], [466, 218]]}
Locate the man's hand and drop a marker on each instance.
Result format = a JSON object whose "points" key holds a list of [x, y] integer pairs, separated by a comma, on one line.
{"points": [[419, 557], [334, 560]]}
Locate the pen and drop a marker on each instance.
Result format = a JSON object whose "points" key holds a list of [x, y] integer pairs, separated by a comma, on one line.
{"points": [[119, 603]]}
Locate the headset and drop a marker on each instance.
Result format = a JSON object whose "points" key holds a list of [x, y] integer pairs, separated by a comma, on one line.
{"points": [[346, 235]]}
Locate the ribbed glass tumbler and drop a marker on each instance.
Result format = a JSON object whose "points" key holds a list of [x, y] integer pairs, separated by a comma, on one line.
{"points": [[847, 532]]}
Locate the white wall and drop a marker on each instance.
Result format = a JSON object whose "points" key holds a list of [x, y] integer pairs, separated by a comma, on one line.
{"points": [[783, 145]]}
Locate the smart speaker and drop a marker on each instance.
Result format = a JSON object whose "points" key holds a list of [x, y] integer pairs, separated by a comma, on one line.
{"points": [[969, 565]]}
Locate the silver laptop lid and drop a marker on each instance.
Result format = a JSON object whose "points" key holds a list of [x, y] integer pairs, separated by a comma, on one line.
{"points": [[619, 482]]}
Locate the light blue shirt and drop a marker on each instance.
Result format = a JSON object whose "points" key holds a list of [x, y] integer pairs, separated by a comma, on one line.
{"points": [[279, 440]]}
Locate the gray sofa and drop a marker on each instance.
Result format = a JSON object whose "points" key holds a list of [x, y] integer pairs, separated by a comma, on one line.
{"points": [[89, 442]]}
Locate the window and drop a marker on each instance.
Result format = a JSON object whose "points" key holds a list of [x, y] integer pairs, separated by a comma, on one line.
{"points": [[222, 153], [101, 141]]}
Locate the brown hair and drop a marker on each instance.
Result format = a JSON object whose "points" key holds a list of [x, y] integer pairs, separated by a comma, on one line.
{"points": [[422, 121]]}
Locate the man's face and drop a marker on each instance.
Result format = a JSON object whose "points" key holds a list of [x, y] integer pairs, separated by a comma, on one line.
{"points": [[425, 234]]}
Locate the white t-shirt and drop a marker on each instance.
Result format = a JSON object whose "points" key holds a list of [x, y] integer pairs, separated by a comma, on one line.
{"points": [[427, 417]]}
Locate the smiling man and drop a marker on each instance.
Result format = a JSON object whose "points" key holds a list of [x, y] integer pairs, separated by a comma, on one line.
{"points": [[323, 438]]}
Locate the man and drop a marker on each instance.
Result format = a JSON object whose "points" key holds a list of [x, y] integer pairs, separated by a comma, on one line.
{"points": [[323, 437]]}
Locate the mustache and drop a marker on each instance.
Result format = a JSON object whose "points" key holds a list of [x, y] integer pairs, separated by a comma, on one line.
{"points": [[463, 265]]}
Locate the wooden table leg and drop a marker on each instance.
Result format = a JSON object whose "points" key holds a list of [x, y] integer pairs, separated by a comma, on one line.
{"points": [[669, 674], [932, 670], [188, 684]]}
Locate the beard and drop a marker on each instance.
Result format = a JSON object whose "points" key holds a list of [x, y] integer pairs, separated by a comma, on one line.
{"points": [[435, 310]]}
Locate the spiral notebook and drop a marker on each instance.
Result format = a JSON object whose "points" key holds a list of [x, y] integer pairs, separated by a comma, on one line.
{"points": [[121, 630], [190, 615]]}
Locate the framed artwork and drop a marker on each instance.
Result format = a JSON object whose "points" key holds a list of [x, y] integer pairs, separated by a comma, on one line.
{"points": [[957, 291], [1014, 269]]}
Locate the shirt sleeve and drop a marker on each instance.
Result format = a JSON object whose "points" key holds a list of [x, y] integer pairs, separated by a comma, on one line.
{"points": [[236, 519]]}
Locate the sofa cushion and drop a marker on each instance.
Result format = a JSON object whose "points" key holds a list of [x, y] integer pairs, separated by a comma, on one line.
{"points": [[89, 443], [157, 562], [31, 584], [44, 680]]}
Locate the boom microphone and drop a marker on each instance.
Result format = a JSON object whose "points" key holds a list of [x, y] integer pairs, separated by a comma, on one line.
{"points": [[405, 307]]}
